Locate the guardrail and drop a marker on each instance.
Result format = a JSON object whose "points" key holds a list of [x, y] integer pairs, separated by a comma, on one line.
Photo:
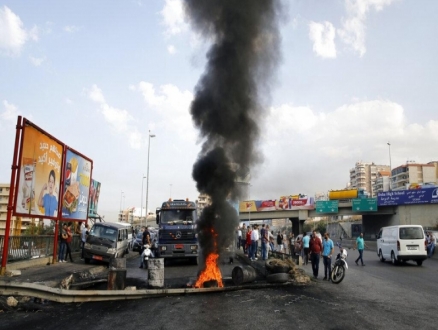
{"points": [[33, 246]]}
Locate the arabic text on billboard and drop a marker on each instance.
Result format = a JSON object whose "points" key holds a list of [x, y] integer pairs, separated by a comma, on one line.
{"points": [[406, 197], [39, 175]]}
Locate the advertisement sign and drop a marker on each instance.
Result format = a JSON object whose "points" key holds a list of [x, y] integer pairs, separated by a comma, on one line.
{"points": [[39, 175], [77, 177], [284, 203], [93, 198], [296, 202], [247, 206], [407, 197]]}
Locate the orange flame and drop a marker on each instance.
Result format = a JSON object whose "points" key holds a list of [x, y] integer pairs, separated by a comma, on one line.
{"points": [[211, 272]]}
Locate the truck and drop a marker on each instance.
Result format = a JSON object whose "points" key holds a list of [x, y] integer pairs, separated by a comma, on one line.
{"points": [[347, 194], [177, 238]]}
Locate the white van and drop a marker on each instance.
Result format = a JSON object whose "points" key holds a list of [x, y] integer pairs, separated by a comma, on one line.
{"points": [[402, 243], [105, 241]]}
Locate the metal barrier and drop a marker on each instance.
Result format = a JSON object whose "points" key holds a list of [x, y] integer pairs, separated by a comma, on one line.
{"points": [[30, 247]]}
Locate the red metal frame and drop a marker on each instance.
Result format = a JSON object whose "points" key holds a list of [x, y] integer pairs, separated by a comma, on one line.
{"points": [[11, 205]]}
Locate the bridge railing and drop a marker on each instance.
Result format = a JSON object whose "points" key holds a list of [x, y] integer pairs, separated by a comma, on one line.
{"points": [[32, 246]]}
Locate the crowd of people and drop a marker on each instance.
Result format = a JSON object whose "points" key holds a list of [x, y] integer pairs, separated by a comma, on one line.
{"points": [[250, 238]]}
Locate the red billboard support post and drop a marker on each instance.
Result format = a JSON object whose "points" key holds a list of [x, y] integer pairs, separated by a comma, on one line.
{"points": [[14, 167]]}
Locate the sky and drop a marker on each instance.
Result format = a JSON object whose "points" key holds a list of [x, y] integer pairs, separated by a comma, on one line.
{"points": [[101, 76]]}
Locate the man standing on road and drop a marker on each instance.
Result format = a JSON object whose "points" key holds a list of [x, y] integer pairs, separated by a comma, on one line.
{"points": [[254, 239], [430, 245], [292, 244], [360, 244], [306, 246], [84, 233], [243, 241], [315, 253], [327, 251], [279, 242], [239, 237], [264, 238]]}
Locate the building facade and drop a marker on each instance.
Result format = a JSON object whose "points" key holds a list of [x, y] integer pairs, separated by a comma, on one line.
{"points": [[364, 176], [18, 224], [412, 174]]}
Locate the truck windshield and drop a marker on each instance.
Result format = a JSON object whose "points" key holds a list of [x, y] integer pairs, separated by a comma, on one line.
{"points": [[104, 232], [178, 216]]}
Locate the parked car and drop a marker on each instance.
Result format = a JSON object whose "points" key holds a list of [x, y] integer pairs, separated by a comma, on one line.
{"points": [[137, 245]]}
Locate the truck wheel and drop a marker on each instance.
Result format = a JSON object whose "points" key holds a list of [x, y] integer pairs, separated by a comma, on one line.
{"points": [[419, 262], [381, 256]]}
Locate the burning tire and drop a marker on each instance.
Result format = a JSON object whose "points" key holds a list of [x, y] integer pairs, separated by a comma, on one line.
{"points": [[277, 278], [275, 268]]}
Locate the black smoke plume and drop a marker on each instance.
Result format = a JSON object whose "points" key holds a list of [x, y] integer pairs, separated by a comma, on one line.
{"points": [[227, 107]]}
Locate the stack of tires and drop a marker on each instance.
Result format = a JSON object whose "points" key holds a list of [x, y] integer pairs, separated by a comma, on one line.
{"points": [[278, 272]]}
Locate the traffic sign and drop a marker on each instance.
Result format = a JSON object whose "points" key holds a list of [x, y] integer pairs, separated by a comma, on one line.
{"points": [[364, 204], [326, 206]]}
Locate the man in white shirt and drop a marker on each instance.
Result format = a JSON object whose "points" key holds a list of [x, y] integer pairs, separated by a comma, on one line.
{"points": [[84, 234], [254, 239]]}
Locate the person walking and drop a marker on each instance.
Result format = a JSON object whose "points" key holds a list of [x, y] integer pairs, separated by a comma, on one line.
{"points": [[315, 247], [68, 242], [306, 246], [62, 243], [327, 251], [84, 234], [360, 245], [239, 237]]}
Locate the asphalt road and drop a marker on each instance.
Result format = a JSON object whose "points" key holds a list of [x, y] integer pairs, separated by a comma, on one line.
{"points": [[376, 296]]}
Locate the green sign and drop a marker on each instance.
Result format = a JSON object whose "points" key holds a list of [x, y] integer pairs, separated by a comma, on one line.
{"points": [[326, 206], [364, 205]]}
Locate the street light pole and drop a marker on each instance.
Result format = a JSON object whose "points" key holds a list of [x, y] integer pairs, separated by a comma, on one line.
{"points": [[147, 175], [141, 208], [170, 195], [121, 196], [390, 167]]}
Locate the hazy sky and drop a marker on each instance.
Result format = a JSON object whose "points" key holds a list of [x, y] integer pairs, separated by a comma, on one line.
{"points": [[98, 75]]}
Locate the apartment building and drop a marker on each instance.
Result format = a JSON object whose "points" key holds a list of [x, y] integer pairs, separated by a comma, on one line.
{"points": [[203, 201], [382, 182], [412, 173], [364, 175], [17, 225]]}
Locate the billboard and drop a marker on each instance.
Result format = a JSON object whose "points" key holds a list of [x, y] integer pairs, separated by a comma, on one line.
{"points": [[77, 178], [284, 203], [39, 176], [93, 199], [407, 197]]}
